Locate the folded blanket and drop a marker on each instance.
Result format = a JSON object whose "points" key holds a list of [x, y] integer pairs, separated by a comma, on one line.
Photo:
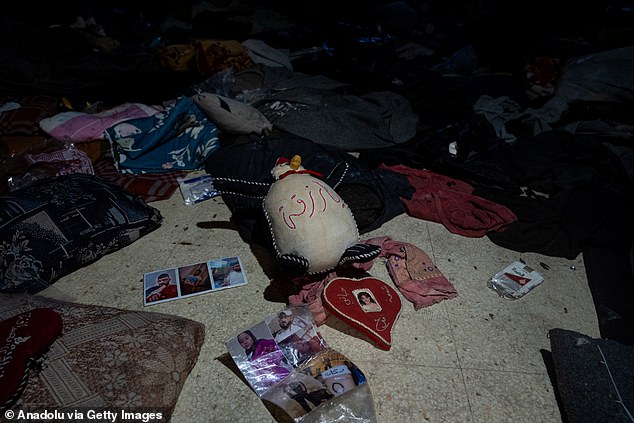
{"points": [[82, 127]]}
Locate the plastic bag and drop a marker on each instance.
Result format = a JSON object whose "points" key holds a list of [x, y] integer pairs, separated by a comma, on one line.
{"points": [[196, 188], [288, 363]]}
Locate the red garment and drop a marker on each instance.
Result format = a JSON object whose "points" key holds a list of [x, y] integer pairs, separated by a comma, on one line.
{"points": [[24, 338], [441, 199]]}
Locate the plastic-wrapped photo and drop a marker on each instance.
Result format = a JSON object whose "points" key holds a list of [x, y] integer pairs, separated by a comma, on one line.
{"points": [[317, 383], [268, 351], [259, 358], [296, 334]]}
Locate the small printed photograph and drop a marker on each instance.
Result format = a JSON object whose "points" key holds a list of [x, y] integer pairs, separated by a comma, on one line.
{"points": [[194, 279], [259, 357], [296, 334], [300, 394], [227, 272], [160, 286], [367, 300], [325, 376]]}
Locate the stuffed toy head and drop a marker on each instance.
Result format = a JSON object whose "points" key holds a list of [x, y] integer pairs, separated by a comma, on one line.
{"points": [[312, 228]]}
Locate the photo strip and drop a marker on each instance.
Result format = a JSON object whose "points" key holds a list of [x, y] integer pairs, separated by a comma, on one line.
{"points": [[193, 279]]}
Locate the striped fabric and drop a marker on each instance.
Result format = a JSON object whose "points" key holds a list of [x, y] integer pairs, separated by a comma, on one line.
{"points": [[149, 186]]}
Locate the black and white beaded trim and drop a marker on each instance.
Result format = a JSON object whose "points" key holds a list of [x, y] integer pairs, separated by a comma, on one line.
{"points": [[242, 181], [343, 175]]}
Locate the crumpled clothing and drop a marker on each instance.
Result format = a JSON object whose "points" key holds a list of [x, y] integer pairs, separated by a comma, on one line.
{"points": [[68, 160], [498, 111], [262, 53], [449, 201], [413, 272], [375, 120], [310, 290], [38, 166]]}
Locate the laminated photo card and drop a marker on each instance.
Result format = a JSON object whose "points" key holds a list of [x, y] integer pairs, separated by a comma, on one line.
{"points": [[194, 279], [287, 362]]}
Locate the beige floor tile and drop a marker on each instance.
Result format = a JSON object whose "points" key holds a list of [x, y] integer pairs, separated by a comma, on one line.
{"points": [[474, 358], [511, 397], [411, 393], [492, 332], [418, 338]]}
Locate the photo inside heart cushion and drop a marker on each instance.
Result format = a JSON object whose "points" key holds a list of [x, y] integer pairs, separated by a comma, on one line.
{"points": [[366, 304]]}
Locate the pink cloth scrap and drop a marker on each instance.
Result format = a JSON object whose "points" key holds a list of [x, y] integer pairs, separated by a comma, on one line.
{"points": [[413, 272], [449, 201], [308, 292]]}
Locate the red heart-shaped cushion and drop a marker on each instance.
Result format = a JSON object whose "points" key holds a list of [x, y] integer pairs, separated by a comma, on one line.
{"points": [[22, 338], [367, 304]]}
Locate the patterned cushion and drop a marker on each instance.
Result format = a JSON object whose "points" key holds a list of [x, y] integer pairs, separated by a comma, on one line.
{"points": [[23, 340], [57, 225], [109, 358]]}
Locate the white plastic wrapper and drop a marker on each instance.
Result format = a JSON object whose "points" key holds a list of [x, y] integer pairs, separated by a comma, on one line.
{"points": [[197, 188], [515, 280]]}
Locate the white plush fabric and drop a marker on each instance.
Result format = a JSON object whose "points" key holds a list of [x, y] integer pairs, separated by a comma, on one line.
{"points": [[309, 219]]}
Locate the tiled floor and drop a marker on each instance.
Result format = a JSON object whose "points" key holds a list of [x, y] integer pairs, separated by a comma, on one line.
{"points": [[475, 358]]}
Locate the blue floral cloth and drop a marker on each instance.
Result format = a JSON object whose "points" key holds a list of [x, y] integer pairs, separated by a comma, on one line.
{"points": [[179, 138]]}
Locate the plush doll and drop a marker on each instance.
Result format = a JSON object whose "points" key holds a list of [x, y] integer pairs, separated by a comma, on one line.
{"points": [[312, 228]]}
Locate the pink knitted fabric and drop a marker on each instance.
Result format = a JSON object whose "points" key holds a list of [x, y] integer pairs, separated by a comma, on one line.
{"points": [[413, 272], [310, 294]]}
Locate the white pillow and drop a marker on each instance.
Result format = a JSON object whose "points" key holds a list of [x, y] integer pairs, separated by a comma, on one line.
{"points": [[231, 115]]}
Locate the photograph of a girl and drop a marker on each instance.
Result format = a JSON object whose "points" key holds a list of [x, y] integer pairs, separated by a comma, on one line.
{"points": [[367, 301], [267, 365]]}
